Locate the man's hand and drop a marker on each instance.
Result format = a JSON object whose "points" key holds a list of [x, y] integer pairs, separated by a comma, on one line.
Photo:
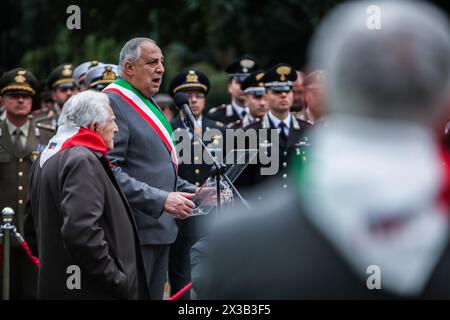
{"points": [[178, 204]]}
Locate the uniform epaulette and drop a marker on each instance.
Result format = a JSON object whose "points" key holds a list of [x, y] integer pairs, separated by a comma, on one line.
{"points": [[47, 127], [43, 116], [215, 109], [295, 123], [232, 125], [253, 124], [39, 111]]}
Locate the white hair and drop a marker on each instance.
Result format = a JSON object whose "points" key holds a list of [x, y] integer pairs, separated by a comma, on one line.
{"points": [[85, 108], [401, 70], [131, 51]]}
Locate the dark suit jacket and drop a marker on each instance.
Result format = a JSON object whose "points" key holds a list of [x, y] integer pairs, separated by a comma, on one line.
{"points": [[145, 172], [82, 218]]}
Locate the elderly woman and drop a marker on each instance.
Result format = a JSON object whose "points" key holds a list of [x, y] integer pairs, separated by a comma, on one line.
{"points": [[86, 236]]}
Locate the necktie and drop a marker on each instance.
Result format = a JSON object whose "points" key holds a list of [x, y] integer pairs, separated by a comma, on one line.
{"points": [[17, 142], [243, 114], [283, 136]]}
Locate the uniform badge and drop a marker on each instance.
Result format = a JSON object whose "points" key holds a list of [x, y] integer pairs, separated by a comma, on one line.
{"points": [[67, 71], [247, 64], [20, 78], [283, 71], [191, 76], [108, 74]]}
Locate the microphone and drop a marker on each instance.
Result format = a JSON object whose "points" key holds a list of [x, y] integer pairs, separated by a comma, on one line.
{"points": [[182, 103]]}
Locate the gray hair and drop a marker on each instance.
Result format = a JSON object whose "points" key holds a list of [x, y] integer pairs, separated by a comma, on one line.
{"points": [[130, 52], [401, 70], [85, 108]]}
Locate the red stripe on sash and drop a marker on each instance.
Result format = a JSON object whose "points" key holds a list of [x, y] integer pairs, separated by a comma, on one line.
{"points": [[147, 119]]}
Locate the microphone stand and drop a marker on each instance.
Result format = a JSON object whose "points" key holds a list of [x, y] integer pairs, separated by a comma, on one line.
{"points": [[219, 170]]}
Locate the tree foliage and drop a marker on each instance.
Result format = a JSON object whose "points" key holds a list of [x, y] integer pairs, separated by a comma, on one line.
{"points": [[206, 33]]}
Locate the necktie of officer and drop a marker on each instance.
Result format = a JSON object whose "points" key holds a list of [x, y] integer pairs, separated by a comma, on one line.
{"points": [[243, 114], [17, 141], [283, 136]]}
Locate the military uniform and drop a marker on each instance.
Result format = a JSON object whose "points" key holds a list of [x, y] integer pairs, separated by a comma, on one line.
{"points": [[291, 136], [15, 167], [295, 146], [224, 113], [60, 77], [242, 123], [196, 172], [238, 70], [252, 85], [19, 148]]}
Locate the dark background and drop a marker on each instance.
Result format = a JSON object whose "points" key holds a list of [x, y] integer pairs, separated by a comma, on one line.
{"points": [[207, 34]]}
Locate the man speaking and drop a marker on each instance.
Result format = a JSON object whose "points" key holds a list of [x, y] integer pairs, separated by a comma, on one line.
{"points": [[144, 158]]}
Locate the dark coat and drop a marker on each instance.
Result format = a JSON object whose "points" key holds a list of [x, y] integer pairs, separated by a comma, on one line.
{"points": [[83, 219]]}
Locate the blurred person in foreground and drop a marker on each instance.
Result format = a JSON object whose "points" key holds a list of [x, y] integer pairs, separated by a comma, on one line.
{"points": [[81, 217], [374, 195]]}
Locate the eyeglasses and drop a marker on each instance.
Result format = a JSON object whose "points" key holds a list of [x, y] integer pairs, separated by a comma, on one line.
{"points": [[197, 96]]}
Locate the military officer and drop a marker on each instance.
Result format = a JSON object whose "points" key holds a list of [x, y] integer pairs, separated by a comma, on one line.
{"points": [[254, 98], [290, 135], [196, 85], [299, 92], [236, 110], [21, 141], [80, 71], [314, 98], [101, 76], [62, 86]]}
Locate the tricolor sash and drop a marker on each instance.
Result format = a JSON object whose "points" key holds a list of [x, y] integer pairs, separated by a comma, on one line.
{"points": [[148, 111]]}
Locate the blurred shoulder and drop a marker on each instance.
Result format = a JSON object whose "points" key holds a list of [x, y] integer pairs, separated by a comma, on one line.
{"points": [[217, 110]]}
